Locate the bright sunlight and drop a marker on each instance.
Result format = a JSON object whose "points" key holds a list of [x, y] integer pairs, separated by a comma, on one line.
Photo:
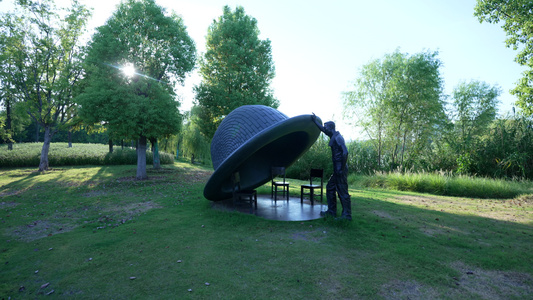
{"points": [[128, 70]]}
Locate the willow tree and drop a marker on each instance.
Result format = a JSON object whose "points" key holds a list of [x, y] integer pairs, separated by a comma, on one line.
{"points": [[236, 70], [42, 51], [132, 65]]}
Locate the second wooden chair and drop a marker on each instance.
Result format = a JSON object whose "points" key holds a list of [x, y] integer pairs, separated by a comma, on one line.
{"points": [[315, 175], [277, 174]]}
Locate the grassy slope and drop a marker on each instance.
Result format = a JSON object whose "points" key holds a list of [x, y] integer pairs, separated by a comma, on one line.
{"points": [[87, 230]]}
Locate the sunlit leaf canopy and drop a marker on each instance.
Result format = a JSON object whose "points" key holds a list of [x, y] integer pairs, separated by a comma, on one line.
{"points": [[142, 35]]}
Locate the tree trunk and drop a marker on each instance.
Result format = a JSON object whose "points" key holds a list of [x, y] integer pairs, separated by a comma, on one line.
{"points": [[157, 162], [141, 159], [110, 143], [8, 124], [403, 149], [70, 137], [43, 165]]}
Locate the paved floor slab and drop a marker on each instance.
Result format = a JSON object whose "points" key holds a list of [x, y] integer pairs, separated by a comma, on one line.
{"points": [[282, 210]]}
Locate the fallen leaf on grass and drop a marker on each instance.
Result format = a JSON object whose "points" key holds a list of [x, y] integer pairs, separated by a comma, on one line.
{"points": [[45, 285]]}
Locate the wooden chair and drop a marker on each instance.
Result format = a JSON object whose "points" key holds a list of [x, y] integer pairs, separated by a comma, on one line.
{"points": [[240, 195], [315, 175], [278, 173]]}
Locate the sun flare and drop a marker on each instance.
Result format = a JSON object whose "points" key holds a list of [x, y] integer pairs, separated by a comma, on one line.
{"points": [[128, 70]]}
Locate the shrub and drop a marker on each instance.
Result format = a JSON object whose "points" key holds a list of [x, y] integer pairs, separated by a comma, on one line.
{"points": [[448, 185], [318, 157], [28, 155]]}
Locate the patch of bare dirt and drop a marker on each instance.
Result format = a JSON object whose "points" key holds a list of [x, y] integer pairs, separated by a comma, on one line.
{"points": [[382, 214], [525, 199], [199, 176], [110, 217], [311, 236], [40, 229], [516, 210], [419, 199], [12, 192], [4, 205], [432, 232], [409, 289], [487, 284]]}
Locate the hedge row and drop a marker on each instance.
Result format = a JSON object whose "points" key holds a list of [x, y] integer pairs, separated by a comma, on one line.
{"points": [[29, 154]]}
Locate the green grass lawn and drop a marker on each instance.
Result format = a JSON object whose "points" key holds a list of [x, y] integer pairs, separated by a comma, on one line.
{"points": [[95, 232]]}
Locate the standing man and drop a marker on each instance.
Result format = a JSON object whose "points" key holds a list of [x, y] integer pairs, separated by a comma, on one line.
{"points": [[338, 182]]}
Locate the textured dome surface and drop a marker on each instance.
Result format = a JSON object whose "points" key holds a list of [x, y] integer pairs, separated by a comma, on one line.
{"points": [[251, 140], [240, 126]]}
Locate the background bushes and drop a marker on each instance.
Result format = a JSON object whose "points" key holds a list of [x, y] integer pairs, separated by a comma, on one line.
{"points": [[447, 184], [28, 155]]}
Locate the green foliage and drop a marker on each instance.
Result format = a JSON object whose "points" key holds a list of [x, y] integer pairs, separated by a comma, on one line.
{"points": [[41, 62], [139, 33], [507, 149], [317, 157], [518, 25], [465, 164], [236, 70], [474, 106], [194, 144], [398, 102], [27, 155], [141, 105], [446, 184], [362, 157]]}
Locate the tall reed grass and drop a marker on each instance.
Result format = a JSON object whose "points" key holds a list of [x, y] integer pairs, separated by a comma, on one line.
{"points": [[28, 155], [446, 184]]}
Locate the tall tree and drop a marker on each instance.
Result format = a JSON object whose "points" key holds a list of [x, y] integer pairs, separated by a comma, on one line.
{"points": [[366, 104], [474, 105], [518, 25], [133, 63], [6, 90], [236, 69], [44, 52], [398, 102]]}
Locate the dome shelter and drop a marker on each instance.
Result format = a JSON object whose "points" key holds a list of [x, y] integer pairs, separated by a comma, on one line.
{"points": [[251, 140]]}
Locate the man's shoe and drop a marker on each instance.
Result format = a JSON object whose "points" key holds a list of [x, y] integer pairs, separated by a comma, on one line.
{"points": [[327, 213], [345, 217]]}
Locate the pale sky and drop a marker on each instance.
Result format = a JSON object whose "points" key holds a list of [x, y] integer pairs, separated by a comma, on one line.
{"points": [[319, 47]]}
